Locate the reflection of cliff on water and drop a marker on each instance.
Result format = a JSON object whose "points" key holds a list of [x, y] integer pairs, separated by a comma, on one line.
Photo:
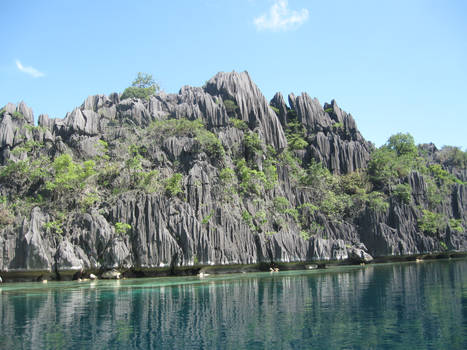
{"points": [[408, 304]]}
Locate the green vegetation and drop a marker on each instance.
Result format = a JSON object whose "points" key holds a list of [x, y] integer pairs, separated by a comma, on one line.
{"points": [[207, 218], [24, 172], [253, 181], [341, 196], [377, 202], [143, 87], [292, 163], [391, 164], [27, 147], [442, 176], [239, 124], [394, 161], [144, 159], [252, 144], [122, 228], [295, 132], [227, 182], [402, 144], [431, 223], [338, 126], [89, 200], [35, 128], [256, 222], [329, 110], [325, 189], [148, 181], [173, 185], [53, 227], [226, 176], [386, 167], [260, 216], [231, 107], [177, 127], [248, 219], [456, 225], [403, 192], [275, 109], [453, 156], [103, 148], [68, 176], [208, 141], [6, 218], [18, 115], [250, 180], [439, 184], [281, 204], [270, 172], [316, 228]]}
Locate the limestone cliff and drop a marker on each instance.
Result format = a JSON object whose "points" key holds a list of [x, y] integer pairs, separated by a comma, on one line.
{"points": [[213, 175]]}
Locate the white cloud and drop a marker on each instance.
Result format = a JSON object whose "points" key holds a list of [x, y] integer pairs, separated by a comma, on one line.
{"points": [[280, 17], [33, 72]]}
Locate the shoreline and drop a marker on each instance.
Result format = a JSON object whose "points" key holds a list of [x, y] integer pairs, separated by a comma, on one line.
{"points": [[18, 276]]}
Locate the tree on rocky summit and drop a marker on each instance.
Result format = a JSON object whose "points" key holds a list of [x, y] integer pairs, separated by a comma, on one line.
{"points": [[144, 86]]}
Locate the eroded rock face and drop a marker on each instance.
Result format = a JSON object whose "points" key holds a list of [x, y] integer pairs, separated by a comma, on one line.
{"points": [[253, 106], [206, 224], [34, 251]]}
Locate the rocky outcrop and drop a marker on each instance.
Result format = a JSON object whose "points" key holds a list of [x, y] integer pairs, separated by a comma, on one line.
{"points": [[253, 106], [212, 220]]}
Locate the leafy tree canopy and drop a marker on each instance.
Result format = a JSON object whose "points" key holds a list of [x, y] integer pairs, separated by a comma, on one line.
{"points": [[144, 86], [394, 160], [403, 144]]}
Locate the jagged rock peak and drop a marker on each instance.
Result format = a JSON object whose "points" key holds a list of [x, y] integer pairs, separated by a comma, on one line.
{"points": [[231, 83], [253, 106], [310, 112], [12, 120], [96, 102], [22, 111], [279, 103]]}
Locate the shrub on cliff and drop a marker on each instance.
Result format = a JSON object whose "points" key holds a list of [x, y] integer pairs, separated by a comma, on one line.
{"points": [[68, 176], [173, 185], [453, 156], [393, 161], [231, 107], [403, 192], [431, 223], [144, 86], [295, 132]]}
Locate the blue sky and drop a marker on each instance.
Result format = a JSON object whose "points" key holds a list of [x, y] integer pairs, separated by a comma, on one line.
{"points": [[396, 66]]}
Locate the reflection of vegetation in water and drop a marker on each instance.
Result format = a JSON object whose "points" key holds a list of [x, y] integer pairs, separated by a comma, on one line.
{"points": [[439, 309], [396, 306], [123, 330], [54, 338], [10, 342]]}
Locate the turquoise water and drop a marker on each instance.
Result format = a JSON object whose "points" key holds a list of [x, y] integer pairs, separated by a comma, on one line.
{"points": [[389, 306]]}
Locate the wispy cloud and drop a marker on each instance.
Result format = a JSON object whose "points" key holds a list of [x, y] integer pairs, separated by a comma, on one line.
{"points": [[280, 17], [33, 72]]}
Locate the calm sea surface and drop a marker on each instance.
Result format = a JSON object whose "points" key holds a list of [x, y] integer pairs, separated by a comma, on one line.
{"points": [[389, 306]]}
